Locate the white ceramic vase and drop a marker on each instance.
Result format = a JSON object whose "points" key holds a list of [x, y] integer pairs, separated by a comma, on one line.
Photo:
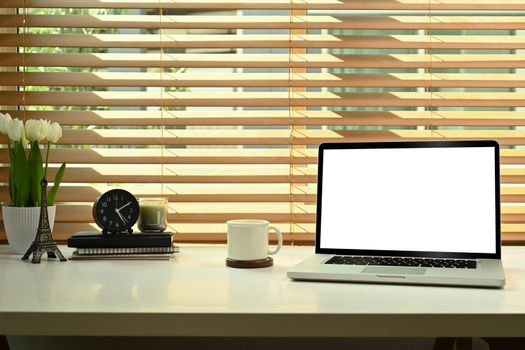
{"points": [[20, 225]]}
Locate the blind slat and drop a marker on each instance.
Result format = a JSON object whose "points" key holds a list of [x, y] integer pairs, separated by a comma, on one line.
{"points": [[265, 41], [262, 22], [205, 156], [276, 118], [233, 193], [277, 137], [172, 174], [188, 192], [215, 212], [314, 137], [215, 233], [221, 212], [184, 232], [278, 4], [177, 156], [261, 99], [248, 60], [198, 156], [409, 80]]}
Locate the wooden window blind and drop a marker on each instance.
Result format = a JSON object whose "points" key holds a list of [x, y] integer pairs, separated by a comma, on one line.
{"points": [[220, 105]]}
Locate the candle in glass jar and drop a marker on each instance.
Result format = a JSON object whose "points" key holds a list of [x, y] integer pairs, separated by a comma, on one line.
{"points": [[153, 215]]}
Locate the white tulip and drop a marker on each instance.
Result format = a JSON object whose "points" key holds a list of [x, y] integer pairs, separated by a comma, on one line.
{"points": [[4, 122], [15, 130], [54, 132], [36, 130]]}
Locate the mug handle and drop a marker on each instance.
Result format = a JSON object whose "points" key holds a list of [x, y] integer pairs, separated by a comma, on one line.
{"points": [[279, 239]]}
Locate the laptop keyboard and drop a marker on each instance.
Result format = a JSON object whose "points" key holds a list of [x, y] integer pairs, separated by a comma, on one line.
{"points": [[398, 261]]}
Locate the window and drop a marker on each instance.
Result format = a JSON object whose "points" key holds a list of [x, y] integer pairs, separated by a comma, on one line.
{"points": [[220, 105]]}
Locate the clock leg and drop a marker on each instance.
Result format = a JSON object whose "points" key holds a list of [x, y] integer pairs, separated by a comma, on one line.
{"points": [[130, 230], [4, 345]]}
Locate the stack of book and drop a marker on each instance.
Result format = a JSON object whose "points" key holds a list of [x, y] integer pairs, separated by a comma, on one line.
{"points": [[141, 246]]}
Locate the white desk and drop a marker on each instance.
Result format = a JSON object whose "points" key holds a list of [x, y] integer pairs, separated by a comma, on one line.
{"points": [[197, 295]]}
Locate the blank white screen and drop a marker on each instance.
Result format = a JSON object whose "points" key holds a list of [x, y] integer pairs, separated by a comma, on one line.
{"points": [[413, 199]]}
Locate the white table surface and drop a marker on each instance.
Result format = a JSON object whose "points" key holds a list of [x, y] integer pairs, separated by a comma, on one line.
{"points": [[195, 294]]}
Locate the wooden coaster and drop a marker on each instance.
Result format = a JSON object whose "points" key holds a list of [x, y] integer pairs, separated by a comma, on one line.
{"points": [[249, 264]]}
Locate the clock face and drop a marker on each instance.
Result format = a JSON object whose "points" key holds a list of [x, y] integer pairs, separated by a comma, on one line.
{"points": [[116, 211]]}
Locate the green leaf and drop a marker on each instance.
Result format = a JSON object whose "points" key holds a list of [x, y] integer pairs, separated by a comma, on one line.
{"points": [[11, 183], [20, 176], [12, 192], [56, 184], [11, 153], [36, 173]]}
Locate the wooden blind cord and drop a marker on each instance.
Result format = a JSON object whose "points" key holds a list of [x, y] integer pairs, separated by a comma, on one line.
{"points": [[290, 124], [24, 68], [162, 124], [430, 69]]}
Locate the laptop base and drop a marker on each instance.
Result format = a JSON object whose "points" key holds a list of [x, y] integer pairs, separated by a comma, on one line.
{"points": [[489, 273]]}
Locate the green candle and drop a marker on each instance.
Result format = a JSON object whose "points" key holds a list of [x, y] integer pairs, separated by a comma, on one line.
{"points": [[153, 214]]}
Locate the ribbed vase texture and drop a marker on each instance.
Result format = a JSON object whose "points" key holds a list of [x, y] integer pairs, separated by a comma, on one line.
{"points": [[21, 225]]}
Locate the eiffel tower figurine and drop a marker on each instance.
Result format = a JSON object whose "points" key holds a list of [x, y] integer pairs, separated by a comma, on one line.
{"points": [[43, 242]]}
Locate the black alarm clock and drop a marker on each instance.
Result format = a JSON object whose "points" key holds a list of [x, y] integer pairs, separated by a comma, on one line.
{"points": [[116, 211]]}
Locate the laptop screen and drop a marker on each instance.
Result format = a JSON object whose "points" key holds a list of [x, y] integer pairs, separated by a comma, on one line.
{"points": [[415, 199]]}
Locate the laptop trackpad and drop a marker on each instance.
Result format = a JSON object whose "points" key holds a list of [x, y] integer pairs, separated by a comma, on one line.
{"points": [[394, 270]]}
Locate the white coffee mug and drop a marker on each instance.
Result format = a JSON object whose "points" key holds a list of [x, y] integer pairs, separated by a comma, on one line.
{"points": [[248, 239]]}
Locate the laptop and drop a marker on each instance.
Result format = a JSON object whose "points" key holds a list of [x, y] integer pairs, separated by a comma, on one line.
{"points": [[407, 212]]}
